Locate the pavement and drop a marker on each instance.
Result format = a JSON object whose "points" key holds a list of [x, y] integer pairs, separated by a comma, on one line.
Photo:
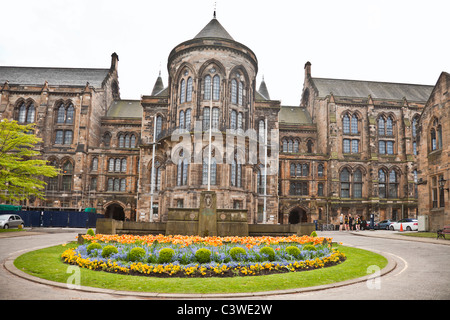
{"points": [[113, 294]]}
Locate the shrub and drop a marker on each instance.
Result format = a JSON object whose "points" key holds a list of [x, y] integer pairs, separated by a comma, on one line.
{"points": [[90, 232], [293, 251], [309, 247], [136, 254], [93, 246], [236, 253], [165, 255], [313, 234], [109, 250], [203, 255], [269, 252]]}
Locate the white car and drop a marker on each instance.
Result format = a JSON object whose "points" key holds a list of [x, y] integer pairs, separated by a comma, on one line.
{"points": [[407, 224]]}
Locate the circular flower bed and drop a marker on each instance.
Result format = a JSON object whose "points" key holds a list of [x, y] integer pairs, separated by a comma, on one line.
{"points": [[191, 256]]}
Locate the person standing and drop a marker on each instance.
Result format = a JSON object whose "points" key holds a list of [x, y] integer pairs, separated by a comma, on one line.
{"points": [[341, 221], [350, 221], [346, 223]]}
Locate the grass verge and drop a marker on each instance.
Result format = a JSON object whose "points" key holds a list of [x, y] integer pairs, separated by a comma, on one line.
{"points": [[46, 264]]}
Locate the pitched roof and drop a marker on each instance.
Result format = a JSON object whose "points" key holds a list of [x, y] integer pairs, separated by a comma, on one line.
{"points": [[377, 90], [159, 86], [294, 115], [54, 76], [214, 30], [263, 90], [125, 109]]}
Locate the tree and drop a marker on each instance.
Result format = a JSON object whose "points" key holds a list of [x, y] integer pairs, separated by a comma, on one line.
{"points": [[21, 172]]}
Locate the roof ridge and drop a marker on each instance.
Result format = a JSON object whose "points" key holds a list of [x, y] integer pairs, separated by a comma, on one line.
{"points": [[371, 81]]}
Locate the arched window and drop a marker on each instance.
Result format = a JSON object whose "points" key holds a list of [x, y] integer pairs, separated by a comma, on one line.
{"points": [[22, 113], [94, 166], [216, 88], [215, 118], [354, 126], [261, 131], [241, 94], [207, 88], [206, 115], [182, 170], [296, 144], [31, 112], [382, 184], [389, 127], [133, 141], [234, 91], [107, 139], [70, 114], [188, 119], [121, 141], [260, 179], [381, 127], [309, 146], [290, 146], [240, 121], [67, 176], [123, 165], [183, 91], [433, 140], [285, 145], [158, 126], [393, 184], [345, 183], [236, 173], [292, 170], [357, 184], [189, 90], [414, 127], [346, 124], [157, 182], [320, 170], [233, 120], [439, 137], [181, 120], [213, 171]]}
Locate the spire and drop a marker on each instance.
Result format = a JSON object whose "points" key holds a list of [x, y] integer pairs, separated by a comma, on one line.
{"points": [[263, 89], [159, 85]]}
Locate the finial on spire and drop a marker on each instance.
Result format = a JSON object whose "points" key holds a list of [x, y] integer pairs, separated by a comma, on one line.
{"points": [[215, 9]]}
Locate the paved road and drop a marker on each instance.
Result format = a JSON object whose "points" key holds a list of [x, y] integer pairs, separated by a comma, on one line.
{"points": [[422, 270]]}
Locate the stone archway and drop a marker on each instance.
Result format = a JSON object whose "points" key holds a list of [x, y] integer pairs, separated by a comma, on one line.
{"points": [[298, 215], [115, 211]]}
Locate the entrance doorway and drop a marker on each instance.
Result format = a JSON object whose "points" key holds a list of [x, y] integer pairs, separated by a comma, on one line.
{"points": [[297, 215], [115, 211]]}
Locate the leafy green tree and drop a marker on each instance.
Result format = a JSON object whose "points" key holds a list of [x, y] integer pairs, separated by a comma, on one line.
{"points": [[21, 172]]}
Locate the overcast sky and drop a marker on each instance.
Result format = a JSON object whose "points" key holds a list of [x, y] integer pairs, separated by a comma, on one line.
{"points": [[382, 40]]}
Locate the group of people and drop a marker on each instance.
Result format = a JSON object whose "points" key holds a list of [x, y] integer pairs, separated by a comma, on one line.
{"points": [[347, 222]]}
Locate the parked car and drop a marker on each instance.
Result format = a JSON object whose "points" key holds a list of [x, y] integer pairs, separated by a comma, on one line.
{"points": [[383, 225], [10, 221], [407, 224]]}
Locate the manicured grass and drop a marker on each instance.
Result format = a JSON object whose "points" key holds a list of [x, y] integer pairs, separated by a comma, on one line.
{"points": [[424, 235], [46, 263], [11, 230]]}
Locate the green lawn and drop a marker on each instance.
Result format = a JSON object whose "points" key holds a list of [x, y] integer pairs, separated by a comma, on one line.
{"points": [[424, 235], [46, 263]]}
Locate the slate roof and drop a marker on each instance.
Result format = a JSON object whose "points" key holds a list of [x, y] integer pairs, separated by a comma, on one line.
{"points": [[377, 90], [214, 30], [125, 109], [54, 76], [294, 115]]}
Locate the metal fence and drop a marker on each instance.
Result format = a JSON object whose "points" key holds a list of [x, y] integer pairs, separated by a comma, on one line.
{"points": [[70, 219]]}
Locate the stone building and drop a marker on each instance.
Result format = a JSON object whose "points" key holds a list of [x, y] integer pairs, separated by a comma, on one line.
{"points": [[366, 133], [350, 145], [433, 132]]}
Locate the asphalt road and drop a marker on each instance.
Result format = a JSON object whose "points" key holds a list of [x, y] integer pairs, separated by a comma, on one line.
{"points": [[422, 271]]}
